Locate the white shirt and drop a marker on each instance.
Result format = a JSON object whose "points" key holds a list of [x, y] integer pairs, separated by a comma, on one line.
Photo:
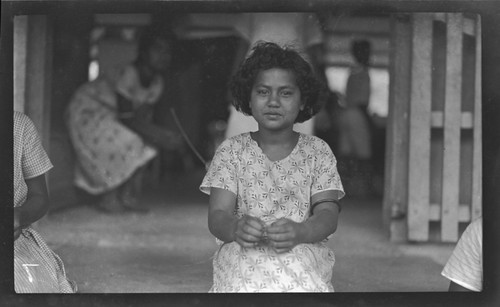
{"points": [[465, 266]]}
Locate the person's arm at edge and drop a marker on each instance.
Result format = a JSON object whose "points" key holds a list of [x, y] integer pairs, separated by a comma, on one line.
{"points": [[36, 204]]}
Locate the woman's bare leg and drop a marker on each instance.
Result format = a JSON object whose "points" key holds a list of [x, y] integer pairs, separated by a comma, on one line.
{"points": [[131, 191], [109, 202]]}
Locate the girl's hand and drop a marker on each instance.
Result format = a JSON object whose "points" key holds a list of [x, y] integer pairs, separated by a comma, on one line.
{"points": [[248, 231], [284, 234]]}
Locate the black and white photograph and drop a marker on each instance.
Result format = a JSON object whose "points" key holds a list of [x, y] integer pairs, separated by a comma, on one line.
{"points": [[197, 147]]}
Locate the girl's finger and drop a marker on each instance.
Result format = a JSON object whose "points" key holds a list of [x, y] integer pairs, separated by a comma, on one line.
{"points": [[254, 222], [283, 244]]}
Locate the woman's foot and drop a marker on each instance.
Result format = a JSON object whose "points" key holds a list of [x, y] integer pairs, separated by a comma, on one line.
{"points": [[109, 203], [131, 203]]}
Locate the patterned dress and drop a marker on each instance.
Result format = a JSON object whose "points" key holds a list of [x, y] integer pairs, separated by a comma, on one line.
{"points": [[271, 190], [37, 269], [108, 152]]}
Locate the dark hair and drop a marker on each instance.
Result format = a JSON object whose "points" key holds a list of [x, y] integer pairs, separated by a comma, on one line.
{"points": [[361, 50], [267, 55], [149, 36]]}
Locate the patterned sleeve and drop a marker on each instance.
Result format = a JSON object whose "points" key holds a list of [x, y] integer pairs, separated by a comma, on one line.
{"points": [[222, 170], [35, 161], [326, 176], [465, 264]]}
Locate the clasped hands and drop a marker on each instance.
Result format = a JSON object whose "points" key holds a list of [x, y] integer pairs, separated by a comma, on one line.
{"points": [[282, 235]]}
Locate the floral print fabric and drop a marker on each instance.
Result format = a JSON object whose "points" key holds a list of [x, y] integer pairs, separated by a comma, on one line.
{"points": [[107, 151], [271, 190]]}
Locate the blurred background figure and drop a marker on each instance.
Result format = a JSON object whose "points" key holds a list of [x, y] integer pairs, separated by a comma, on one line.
{"points": [[355, 139], [110, 125]]}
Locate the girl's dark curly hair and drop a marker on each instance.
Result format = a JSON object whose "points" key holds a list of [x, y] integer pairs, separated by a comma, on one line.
{"points": [[267, 55]]}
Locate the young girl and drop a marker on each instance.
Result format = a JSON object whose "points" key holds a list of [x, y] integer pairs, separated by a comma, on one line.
{"points": [[274, 193], [37, 269]]}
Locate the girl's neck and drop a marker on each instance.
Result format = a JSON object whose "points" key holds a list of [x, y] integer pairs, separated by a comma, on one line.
{"points": [[274, 138], [276, 146]]}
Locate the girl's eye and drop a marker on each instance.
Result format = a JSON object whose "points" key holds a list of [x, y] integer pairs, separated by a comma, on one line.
{"points": [[286, 93], [262, 92]]}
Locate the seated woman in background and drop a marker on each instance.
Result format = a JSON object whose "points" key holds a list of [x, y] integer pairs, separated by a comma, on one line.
{"points": [[110, 125]]}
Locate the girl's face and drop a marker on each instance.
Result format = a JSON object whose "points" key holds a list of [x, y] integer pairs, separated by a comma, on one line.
{"points": [[275, 99]]}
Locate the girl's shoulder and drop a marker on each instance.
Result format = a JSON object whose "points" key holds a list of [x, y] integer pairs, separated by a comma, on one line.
{"points": [[310, 140], [236, 142], [315, 145], [241, 138]]}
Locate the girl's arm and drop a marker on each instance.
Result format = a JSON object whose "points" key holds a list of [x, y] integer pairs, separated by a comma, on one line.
{"points": [[226, 226], [285, 234], [36, 204]]}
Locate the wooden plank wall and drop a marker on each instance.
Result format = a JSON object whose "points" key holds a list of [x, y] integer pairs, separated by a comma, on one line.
{"points": [[443, 123]]}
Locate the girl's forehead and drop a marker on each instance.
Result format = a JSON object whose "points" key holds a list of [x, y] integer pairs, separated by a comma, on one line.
{"points": [[276, 75]]}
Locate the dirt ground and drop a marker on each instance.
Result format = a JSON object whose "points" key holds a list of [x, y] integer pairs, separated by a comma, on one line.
{"points": [[169, 249]]}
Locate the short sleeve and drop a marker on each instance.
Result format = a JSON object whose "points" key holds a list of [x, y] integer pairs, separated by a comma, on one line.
{"points": [[222, 170], [326, 176], [35, 160], [465, 264]]}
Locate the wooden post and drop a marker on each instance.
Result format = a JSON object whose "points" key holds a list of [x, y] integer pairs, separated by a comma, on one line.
{"points": [[37, 75], [452, 127], [477, 154], [396, 160], [20, 49], [420, 122]]}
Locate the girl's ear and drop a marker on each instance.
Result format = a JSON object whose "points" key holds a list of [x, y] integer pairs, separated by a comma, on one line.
{"points": [[302, 105]]}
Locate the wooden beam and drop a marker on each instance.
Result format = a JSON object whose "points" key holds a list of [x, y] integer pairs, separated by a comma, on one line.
{"points": [[420, 121], [20, 49], [396, 159], [477, 167], [38, 75], [451, 123], [464, 214]]}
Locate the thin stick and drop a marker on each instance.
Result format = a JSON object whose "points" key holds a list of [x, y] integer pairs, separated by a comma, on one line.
{"points": [[185, 136]]}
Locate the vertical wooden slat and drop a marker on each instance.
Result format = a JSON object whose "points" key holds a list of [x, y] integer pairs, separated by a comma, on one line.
{"points": [[38, 75], [419, 135], [396, 160], [20, 37], [452, 117], [477, 151]]}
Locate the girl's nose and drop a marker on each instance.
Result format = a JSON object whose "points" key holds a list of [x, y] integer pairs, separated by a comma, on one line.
{"points": [[274, 99]]}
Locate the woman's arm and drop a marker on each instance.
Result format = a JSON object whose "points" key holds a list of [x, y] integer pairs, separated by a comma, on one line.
{"points": [[140, 121], [36, 204], [226, 226]]}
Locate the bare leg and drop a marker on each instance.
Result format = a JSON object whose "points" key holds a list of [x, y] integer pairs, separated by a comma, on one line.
{"points": [[131, 191], [110, 203]]}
